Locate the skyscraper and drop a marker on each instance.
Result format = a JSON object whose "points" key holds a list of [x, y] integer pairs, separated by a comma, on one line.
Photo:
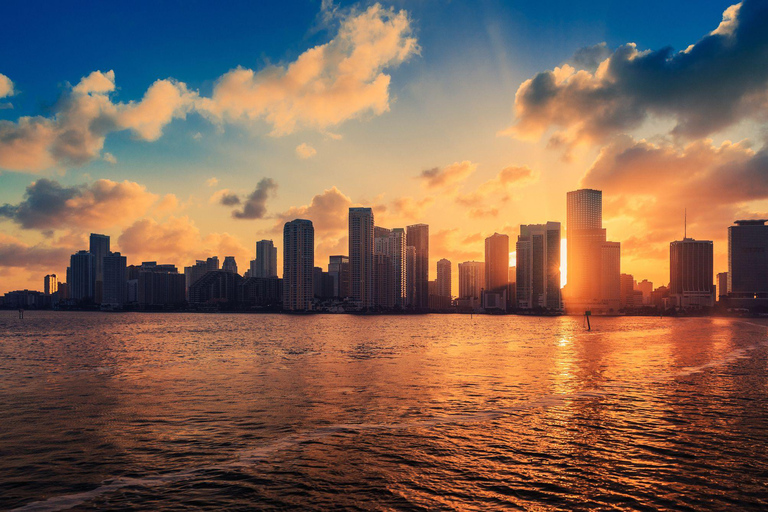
{"points": [[99, 247], [81, 276], [410, 276], [195, 272], [444, 278], [417, 236], [229, 265], [538, 266], [471, 279], [115, 282], [266, 259], [338, 268], [496, 262], [594, 265], [361, 256], [392, 243], [691, 272], [51, 285], [298, 265], [748, 261]]}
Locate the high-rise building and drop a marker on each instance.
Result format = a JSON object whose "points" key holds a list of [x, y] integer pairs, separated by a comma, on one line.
{"points": [[338, 268], [538, 266], [361, 256], [229, 265], [646, 287], [298, 265], [722, 286], [51, 285], [690, 273], [392, 243], [199, 269], [81, 276], [410, 276], [471, 279], [627, 284], [748, 261], [496, 262], [417, 236], [594, 264], [383, 281], [444, 278], [265, 264], [99, 247], [114, 289], [158, 286]]}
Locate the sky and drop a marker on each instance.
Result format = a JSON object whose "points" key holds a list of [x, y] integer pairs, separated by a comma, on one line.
{"points": [[190, 129]]}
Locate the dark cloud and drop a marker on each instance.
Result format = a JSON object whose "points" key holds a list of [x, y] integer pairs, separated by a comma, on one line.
{"points": [[591, 56], [255, 207], [49, 205], [16, 254], [227, 199], [719, 81]]}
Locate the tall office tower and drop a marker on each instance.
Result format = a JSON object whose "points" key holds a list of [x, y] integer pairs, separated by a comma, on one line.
{"points": [[471, 279], [99, 247], [81, 276], [230, 265], [266, 259], [537, 275], [690, 273], [417, 236], [383, 285], [496, 262], [627, 283], [361, 256], [338, 268], [444, 278], [115, 291], [593, 263], [748, 261], [51, 284], [298, 265], [722, 285], [392, 243], [410, 276]]}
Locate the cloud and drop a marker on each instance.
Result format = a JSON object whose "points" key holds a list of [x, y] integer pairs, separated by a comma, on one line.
{"points": [[224, 197], [326, 85], [169, 203], [445, 243], [713, 84], [255, 206], [447, 176], [14, 253], [328, 212], [110, 158], [177, 240], [212, 182], [507, 177], [103, 203], [305, 151], [6, 86], [648, 185], [84, 117], [410, 208]]}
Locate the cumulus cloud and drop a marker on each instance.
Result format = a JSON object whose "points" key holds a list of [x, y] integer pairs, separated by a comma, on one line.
{"points": [[713, 84], [507, 177], [305, 151], [103, 203], [6, 86], [14, 253], [212, 182], [410, 208], [647, 185], [447, 176], [325, 85], [225, 197], [84, 117], [328, 212], [255, 205]]}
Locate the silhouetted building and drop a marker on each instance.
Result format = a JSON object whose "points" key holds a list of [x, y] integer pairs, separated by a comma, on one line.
{"points": [[265, 264], [690, 273], [216, 288], [627, 288], [392, 243], [417, 236], [410, 276], [25, 299], [748, 263], [383, 282], [444, 278], [496, 262], [261, 292], [51, 286], [538, 266], [159, 286], [361, 256], [199, 269], [114, 289], [298, 265], [338, 269], [646, 287], [229, 265], [81, 276], [660, 298], [610, 275], [471, 279], [722, 286]]}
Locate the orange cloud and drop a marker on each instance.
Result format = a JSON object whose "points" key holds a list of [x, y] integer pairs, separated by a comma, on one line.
{"points": [[507, 177], [447, 176]]}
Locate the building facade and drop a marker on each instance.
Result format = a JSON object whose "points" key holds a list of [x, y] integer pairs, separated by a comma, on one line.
{"points": [[361, 239], [298, 265], [265, 264], [417, 236], [690, 273], [538, 266], [748, 261]]}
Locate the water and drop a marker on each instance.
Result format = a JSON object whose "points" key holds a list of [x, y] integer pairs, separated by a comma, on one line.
{"points": [[176, 411]]}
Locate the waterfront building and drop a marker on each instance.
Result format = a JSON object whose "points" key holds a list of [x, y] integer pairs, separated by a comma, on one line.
{"points": [[410, 276], [748, 263], [199, 269], [538, 266], [496, 262], [646, 287], [417, 236], [229, 265], [471, 279], [158, 286], [298, 265], [338, 269], [265, 264], [114, 288], [81, 276], [690, 273], [217, 288], [50, 284], [444, 278], [361, 256], [99, 247], [722, 286]]}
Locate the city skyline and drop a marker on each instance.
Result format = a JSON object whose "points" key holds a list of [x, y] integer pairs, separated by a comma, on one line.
{"points": [[247, 172]]}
